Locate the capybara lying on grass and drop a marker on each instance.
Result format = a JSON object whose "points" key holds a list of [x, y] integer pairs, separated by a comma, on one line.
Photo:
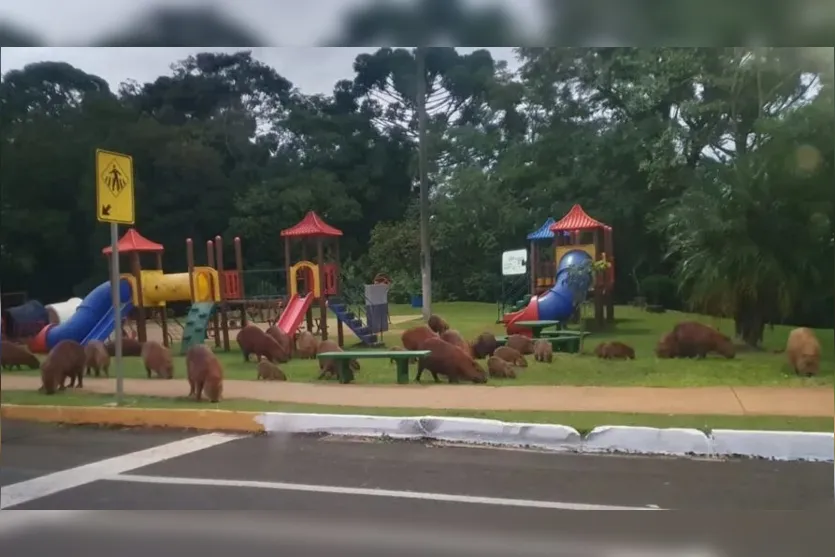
{"points": [[157, 359], [499, 368], [254, 341], [65, 360], [284, 341], [804, 352], [269, 371], [437, 324], [695, 340], [414, 338], [454, 338], [131, 348], [543, 351], [204, 373], [98, 360], [511, 356], [15, 355], [446, 359], [327, 367], [521, 343], [666, 347], [307, 345], [614, 350], [484, 345]]}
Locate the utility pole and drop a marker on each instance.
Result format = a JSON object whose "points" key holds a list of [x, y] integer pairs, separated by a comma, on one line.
{"points": [[425, 256]]}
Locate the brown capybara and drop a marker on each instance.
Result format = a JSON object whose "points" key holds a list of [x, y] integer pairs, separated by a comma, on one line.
{"points": [[306, 345], [695, 340], [437, 324], [328, 368], [484, 345], [157, 359], [284, 341], [98, 360], [269, 371], [204, 373], [414, 338], [131, 348], [449, 360], [65, 360], [804, 352], [521, 343], [454, 338], [254, 341], [499, 368], [614, 350], [511, 356], [543, 351], [15, 355], [666, 347]]}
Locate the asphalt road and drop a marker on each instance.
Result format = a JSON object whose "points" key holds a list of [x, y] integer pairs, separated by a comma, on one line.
{"points": [[372, 498]]}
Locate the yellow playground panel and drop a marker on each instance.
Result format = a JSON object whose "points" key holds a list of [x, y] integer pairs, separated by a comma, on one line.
{"points": [[314, 270], [159, 288], [562, 250]]}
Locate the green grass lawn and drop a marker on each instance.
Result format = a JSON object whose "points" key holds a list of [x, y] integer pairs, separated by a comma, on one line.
{"points": [[633, 326], [582, 421]]}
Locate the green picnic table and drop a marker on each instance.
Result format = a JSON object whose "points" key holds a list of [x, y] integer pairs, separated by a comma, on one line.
{"points": [[538, 326], [568, 341], [401, 359]]}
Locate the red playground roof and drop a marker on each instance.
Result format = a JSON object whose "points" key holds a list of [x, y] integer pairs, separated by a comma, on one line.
{"points": [[577, 219], [311, 225], [133, 241]]}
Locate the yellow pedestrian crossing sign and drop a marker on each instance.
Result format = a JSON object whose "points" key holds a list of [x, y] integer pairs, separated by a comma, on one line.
{"points": [[114, 188]]}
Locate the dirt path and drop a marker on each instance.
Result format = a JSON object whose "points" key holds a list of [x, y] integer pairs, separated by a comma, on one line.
{"points": [[708, 400]]}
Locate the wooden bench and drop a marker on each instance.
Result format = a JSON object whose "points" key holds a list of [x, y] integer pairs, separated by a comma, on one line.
{"points": [[401, 359]]}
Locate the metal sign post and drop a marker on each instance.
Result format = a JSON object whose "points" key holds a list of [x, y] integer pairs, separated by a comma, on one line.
{"points": [[117, 311]]}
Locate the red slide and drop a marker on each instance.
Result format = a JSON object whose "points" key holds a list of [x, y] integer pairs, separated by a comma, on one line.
{"points": [[293, 314]]}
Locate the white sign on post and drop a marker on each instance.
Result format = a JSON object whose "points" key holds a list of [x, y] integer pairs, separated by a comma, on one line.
{"points": [[514, 262]]}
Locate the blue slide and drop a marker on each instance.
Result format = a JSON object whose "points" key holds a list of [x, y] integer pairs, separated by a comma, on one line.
{"points": [[559, 302]]}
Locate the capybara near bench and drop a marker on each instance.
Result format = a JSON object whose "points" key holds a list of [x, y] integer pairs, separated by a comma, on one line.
{"points": [[521, 343], [327, 367], [666, 347], [511, 356], [13, 355], [131, 348], [98, 360], [484, 345], [614, 350], [307, 345], [268, 371], [695, 340], [65, 360], [446, 359], [157, 359], [204, 373], [254, 341], [543, 351], [284, 341], [437, 324], [414, 338], [499, 368], [804, 351], [454, 338]]}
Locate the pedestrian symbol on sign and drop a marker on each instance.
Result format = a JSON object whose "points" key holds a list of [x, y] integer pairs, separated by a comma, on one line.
{"points": [[115, 179]]}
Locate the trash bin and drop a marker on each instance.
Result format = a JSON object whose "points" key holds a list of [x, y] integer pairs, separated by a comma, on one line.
{"points": [[417, 300]]}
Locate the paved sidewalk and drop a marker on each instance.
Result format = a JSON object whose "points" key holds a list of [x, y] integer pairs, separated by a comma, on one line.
{"points": [[734, 401]]}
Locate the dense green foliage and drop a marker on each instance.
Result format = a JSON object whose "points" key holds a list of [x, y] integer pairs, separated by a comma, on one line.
{"points": [[714, 166]]}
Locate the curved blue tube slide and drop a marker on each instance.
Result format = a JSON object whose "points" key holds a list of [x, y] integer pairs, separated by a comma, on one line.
{"points": [[558, 303], [90, 317]]}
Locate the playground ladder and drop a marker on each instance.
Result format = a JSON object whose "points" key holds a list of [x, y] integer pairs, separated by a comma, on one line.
{"points": [[197, 323], [344, 314]]}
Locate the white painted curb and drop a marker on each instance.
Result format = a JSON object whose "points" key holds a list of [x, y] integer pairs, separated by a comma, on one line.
{"points": [[774, 445]]}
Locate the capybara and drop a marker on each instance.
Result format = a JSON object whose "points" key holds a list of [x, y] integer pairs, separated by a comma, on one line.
{"points": [[666, 347], [414, 338], [614, 350], [511, 356], [437, 324], [98, 360], [499, 368], [521, 343], [695, 340], [204, 373], [449, 360], [269, 371], [284, 341], [65, 360], [328, 368], [484, 345], [254, 341], [543, 351], [157, 359], [804, 351], [15, 355], [454, 338], [131, 348], [306, 345]]}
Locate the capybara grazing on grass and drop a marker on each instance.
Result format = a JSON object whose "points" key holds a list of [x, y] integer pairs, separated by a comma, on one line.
{"points": [[446, 359], [157, 359], [131, 348], [499, 368], [414, 338], [254, 341], [695, 340], [98, 360], [284, 341], [65, 360], [543, 351], [521, 343], [437, 324], [614, 350], [484, 345], [511, 356], [307, 345], [328, 368], [269, 371], [205, 374], [15, 355], [804, 352], [666, 347], [454, 338]]}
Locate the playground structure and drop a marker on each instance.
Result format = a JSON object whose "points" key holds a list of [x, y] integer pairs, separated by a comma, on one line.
{"points": [[577, 240], [25, 320]]}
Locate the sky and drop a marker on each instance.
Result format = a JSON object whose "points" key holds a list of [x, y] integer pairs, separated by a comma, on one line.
{"points": [[311, 69]]}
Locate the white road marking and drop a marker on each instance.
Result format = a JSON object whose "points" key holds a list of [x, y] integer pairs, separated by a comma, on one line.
{"points": [[336, 490], [29, 490]]}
